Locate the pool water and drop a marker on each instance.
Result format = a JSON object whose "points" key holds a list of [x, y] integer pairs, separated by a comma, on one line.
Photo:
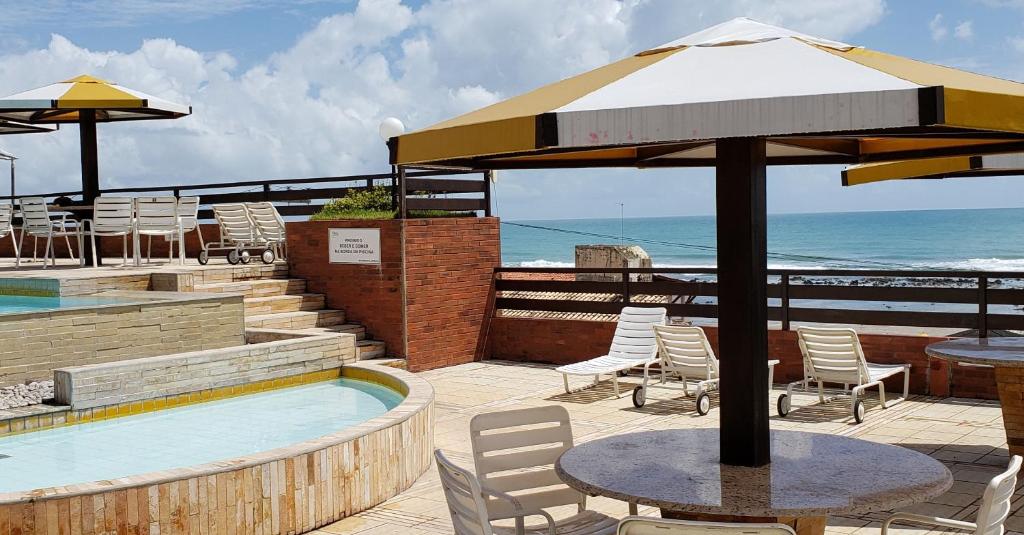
{"points": [[14, 304], [189, 435]]}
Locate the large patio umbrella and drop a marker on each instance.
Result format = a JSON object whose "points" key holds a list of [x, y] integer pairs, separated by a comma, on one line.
{"points": [[87, 100], [935, 168], [737, 96]]}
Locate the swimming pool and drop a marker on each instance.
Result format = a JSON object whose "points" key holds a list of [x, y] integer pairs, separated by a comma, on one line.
{"points": [[16, 304], [188, 436]]}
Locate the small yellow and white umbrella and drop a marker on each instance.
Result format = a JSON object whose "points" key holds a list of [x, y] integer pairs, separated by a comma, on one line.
{"points": [[936, 168]]}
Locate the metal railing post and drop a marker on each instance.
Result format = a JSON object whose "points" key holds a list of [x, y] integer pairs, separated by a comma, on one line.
{"points": [[784, 295], [625, 287], [983, 307]]}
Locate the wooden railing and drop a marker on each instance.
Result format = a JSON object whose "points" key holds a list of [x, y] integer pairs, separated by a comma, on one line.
{"points": [[425, 190], [982, 289]]}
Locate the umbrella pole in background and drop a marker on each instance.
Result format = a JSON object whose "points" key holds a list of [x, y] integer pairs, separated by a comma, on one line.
{"points": [[12, 180], [90, 169], [741, 218]]}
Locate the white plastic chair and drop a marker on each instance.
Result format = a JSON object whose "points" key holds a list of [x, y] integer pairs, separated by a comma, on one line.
{"points": [[514, 452], [111, 216], [633, 345], [36, 223], [835, 356], [639, 525], [684, 352], [995, 507], [7, 229], [237, 233], [270, 230], [158, 216], [188, 214]]}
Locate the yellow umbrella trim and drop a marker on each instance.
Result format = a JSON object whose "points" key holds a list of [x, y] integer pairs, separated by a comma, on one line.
{"points": [[97, 95], [878, 172]]}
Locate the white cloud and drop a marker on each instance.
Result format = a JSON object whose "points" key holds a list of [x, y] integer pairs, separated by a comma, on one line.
{"points": [[938, 29], [314, 108], [964, 31]]}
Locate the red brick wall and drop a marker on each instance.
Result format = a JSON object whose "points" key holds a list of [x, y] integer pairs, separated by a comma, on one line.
{"points": [[565, 341], [370, 295], [444, 290]]}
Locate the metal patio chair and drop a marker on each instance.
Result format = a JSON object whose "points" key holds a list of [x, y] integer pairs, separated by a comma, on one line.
{"points": [[639, 525]]}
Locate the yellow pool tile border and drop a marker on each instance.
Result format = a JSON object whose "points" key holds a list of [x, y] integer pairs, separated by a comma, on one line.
{"points": [[51, 420]]}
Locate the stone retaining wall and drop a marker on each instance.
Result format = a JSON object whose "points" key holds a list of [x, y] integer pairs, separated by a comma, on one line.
{"points": [[294, 489], [34, 344], [116, 383]]}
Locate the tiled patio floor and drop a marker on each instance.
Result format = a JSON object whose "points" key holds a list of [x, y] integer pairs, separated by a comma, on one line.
{"points": [[967, 435]]}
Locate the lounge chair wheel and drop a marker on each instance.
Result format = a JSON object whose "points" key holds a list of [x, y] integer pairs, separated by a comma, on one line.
{"points": [[244, 257], [639, 397], [783, 405], [204, 258], [268, 256], [858, 411], [233, 257], [703, 403]]}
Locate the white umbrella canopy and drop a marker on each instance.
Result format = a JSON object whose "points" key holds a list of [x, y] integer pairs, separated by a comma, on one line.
{"points": [[814, 100]]}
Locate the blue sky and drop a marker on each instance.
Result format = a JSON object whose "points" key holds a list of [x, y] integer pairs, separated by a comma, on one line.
{"points": [[296, 88]]}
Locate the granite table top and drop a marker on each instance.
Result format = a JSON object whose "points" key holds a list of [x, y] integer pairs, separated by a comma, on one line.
{"points": [[1000, 351], [811, 474]]}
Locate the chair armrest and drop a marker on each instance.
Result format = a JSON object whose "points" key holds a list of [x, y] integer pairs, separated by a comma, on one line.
{"points": [[911, 518], [518, 511]]}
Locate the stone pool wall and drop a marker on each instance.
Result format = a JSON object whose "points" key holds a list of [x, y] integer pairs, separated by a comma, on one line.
{"points": [[252, 366], [289, 490], [34, 344]]}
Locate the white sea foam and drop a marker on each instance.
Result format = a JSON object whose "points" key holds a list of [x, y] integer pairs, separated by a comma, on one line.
{"points": [[979, 264], [541, 263]]}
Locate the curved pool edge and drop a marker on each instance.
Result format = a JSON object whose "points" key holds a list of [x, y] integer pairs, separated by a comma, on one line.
{"points": [[292, 489]]}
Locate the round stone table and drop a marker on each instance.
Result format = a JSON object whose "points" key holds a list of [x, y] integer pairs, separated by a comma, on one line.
{"points": [[1006, 355], [811, 476]]}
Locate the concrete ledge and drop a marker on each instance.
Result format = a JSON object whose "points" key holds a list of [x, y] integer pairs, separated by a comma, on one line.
{"points": [[287, 490], [280, 355]]}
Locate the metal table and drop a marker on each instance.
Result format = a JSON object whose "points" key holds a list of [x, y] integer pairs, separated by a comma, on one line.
{"points": [[1006, 355], [811, 477]]}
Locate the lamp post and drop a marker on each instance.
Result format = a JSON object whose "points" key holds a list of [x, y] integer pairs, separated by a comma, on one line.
{"points": [[389, 128]]}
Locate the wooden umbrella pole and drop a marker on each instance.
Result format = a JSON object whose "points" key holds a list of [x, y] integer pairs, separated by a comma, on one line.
{"points": [[741, 216], [90, 168]]}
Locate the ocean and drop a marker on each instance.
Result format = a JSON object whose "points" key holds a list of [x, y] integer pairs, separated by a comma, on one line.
{"points": [[988, 239]]}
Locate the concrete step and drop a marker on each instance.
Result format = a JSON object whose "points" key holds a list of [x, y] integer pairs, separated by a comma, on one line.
{"points": [[283, 303], [391, 362], [297, 320], [370, 349], [256, 288]]}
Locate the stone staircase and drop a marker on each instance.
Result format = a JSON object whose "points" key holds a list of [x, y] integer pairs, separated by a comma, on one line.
{"points": [[284, 303]]}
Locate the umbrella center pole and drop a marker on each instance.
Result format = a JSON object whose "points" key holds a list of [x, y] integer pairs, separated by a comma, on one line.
{"points": [[741, 215], [90, 168]]}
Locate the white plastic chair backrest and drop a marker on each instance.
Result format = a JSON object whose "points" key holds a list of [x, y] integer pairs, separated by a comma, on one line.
{"points": [[465, 501], [995, 502], [157, 214], [234, 221], [188, 212], [634, 333], [639, 525], [833, 355], [113, 214], [515, 452], [6, 215], [268, 222], [686, 350], [34, 214]]}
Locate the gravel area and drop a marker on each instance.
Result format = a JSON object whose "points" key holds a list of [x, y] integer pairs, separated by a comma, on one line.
{"points": [[25, 394]]}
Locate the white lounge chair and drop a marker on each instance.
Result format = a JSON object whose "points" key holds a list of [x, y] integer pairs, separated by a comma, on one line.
{"points": [[684, 352], [639, 525], [188, 216], [7, 229], [237, 233], [514, 452], [158, 216], [632, 345], [270, 230], [111, 216], [995, 507], [36, 223], [835, 356]]}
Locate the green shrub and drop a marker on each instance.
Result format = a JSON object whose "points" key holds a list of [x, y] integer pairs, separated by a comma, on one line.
{"points": [[372, 203]]}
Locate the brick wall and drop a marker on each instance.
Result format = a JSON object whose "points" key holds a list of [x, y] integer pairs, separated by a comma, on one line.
{"points": [[565, 341], [32, 345], [114, 383], [427, 300]]}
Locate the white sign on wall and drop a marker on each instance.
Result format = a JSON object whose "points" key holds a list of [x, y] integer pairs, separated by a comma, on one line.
{"points": [[354, 246]]}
